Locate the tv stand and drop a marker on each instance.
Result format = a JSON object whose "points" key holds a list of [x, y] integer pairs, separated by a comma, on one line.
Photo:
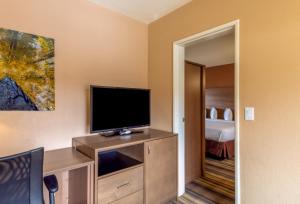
{"points": [[120, 132], [141, 169]]}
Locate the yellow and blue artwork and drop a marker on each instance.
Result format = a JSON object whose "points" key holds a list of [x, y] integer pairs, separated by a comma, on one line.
{"points": [[26, 72]]}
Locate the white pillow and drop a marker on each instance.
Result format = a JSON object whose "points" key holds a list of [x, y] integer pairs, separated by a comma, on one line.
{"points": [[228, 115], [213, 113]]}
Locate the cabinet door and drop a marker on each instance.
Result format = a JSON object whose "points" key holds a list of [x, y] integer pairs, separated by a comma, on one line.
{"points": [[160, 170]]}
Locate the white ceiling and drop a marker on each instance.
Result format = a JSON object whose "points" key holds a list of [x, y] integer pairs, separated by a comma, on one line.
{"points": [[146, 11], [213, 52]]}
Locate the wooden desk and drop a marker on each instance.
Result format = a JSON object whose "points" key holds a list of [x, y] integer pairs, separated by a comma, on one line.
{"points": [[152, 180], [74, 172]]}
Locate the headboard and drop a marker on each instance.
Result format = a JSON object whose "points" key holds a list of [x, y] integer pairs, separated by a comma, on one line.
{"points": [[219, 97], [220, 113], [219, 91]]}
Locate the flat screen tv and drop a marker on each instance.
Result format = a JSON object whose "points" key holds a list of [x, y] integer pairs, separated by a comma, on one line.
{"points": [[115, 109]]}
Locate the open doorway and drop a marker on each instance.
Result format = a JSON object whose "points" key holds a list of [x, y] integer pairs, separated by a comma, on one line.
{"points": [[206, 113], [209, 117]]}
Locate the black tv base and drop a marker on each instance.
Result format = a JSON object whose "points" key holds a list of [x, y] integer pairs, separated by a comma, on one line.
{"points": [[120, 132]]}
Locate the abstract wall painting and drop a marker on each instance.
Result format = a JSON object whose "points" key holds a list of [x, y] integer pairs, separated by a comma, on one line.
{"points": [[26, 72]]}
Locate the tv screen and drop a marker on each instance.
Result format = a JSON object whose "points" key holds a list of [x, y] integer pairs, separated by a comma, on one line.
{"points": [[118, 108]]}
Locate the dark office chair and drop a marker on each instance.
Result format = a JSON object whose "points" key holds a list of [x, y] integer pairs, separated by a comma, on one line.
{"points": [[21, 179]]}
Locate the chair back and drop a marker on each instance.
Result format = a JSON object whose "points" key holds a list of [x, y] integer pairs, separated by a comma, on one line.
{"points": [[21, 178]]}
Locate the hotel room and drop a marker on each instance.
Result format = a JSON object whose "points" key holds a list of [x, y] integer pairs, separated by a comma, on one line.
{"points": [[97, 105]]}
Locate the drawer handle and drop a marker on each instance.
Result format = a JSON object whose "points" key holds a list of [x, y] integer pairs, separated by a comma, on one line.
{"points": [[123, 185]]}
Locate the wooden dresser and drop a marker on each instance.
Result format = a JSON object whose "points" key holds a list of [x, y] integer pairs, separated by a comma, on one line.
{"points": [[134, 169]]}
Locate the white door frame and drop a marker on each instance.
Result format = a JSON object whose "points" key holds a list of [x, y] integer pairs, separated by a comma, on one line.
{"points": [[178, 99]]}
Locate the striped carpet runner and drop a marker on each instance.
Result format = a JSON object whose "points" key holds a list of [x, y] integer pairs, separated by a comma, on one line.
{"points": [[217, 187]]}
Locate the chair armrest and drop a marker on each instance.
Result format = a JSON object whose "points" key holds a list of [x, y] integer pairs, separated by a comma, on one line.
{"points": [[51, 183]]}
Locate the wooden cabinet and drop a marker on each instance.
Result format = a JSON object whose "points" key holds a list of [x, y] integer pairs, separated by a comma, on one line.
{"points": [[151, 179], [160, 170]]}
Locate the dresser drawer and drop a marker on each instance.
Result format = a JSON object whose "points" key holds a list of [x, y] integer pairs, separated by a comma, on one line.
{"points": [[135, 198], [115, 187]]}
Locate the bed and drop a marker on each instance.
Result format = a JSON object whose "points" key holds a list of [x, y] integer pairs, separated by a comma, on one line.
{"points": [[219, 138]]}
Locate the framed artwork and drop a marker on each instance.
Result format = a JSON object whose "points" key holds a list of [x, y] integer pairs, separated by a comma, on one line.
{"points": [[26, 72]]}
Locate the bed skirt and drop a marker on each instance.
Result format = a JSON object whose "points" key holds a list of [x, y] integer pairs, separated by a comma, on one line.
{"points": [[224, 150]]}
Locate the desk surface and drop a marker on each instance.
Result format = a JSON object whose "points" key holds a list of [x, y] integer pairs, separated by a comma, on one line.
{"points": [[100, 143], [64, 160]]}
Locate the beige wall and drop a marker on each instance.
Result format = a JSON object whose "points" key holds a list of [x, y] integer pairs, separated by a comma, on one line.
{"points": [[269, 81], [92, 46], [213, 52]]}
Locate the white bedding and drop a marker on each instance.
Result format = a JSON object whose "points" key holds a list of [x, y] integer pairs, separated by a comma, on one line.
{"points": [[219, 130]]}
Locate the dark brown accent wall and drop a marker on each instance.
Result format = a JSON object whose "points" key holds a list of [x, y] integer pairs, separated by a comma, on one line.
{"points": [[219, 91], [220, 76]]}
